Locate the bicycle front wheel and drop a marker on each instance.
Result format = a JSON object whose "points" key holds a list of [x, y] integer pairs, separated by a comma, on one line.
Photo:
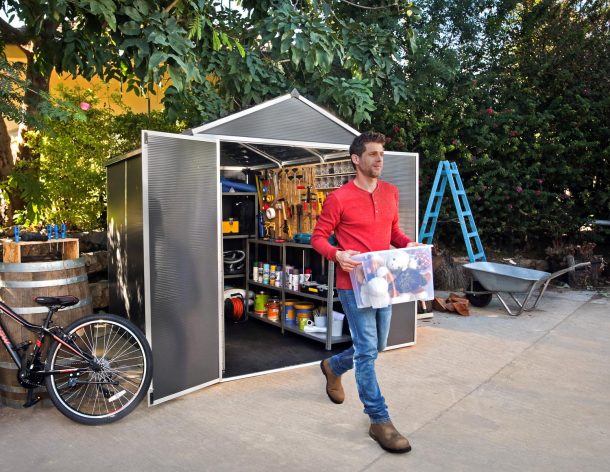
{"points": [[114, 383]]}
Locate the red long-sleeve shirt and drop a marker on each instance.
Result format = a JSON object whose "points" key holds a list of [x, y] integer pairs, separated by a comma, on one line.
{"points": [[361, 221]]}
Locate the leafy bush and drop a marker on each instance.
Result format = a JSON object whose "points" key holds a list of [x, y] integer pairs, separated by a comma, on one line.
{"points": [[68, 183], [522, 107]]}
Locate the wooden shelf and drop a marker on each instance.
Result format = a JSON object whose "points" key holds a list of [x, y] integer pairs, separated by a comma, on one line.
{"points": [[13, 251]]}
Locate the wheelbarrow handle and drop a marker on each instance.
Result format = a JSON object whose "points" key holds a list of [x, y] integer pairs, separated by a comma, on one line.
{"points": [[555, 275], [568, 269]]}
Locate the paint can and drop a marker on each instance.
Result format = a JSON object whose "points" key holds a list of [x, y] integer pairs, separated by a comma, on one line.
{"points": [[260, 303], [304, 313], [290, 316]]}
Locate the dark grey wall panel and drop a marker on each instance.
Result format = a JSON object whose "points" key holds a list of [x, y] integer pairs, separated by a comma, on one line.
{"points": [[117, 251], [290, 120], [125, 245], [401, 171], [134, 287], [184, 262], [402, 328]]}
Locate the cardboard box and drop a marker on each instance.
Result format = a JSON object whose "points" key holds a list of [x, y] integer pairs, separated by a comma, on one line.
{"points": [[393, 276]]}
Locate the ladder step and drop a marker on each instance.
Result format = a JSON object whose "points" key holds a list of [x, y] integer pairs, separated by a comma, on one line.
{"points": [[449, 171]]}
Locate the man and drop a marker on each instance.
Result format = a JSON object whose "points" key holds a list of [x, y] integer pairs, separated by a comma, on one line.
{"points": [[363, 214]]}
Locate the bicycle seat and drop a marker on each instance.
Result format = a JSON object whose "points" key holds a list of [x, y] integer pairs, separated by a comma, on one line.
{"points": [[62, 301]]}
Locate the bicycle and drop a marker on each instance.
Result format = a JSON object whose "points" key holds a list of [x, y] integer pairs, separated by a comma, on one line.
{"points": [[96, 371]]}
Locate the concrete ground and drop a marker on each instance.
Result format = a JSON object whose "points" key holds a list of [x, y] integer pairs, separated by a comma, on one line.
{"points": [[487, 392]]}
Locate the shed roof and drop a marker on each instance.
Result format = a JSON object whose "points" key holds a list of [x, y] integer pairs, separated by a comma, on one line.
{"points": [[286, 130], [290, 117]]}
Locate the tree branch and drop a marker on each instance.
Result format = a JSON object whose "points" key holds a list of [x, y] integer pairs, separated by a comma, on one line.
{"points": [[11, 34], [170, 6], [370, 8]]}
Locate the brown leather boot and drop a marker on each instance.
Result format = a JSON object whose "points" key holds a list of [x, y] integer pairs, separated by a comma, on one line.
{"points": [[334, 389], [389, 438]]}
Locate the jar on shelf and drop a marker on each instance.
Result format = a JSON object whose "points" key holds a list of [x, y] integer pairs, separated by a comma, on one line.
{"points": [[273, 309]]}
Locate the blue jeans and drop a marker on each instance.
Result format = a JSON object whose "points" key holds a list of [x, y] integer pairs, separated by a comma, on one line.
{"points": [[369, 328]]}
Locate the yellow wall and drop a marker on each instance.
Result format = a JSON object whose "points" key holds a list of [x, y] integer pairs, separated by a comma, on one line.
{"points": [[103, 90]]}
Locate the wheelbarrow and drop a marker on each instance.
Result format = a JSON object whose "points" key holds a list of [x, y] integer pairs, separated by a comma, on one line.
{"points": [[491, 278]]}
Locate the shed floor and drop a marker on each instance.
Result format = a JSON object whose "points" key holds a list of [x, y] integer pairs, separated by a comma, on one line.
{"points": [[254, 346]]}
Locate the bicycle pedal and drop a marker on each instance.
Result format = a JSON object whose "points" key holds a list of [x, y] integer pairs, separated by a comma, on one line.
{"points": [[31, 401]]}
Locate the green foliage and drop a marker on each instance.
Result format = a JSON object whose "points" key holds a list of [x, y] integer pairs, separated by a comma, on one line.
{"points": [[13, 86], [517, 94], [68, 182], [340, 57]]}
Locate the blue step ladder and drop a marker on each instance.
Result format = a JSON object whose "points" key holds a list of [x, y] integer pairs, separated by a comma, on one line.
{"points": [[448, 172]]}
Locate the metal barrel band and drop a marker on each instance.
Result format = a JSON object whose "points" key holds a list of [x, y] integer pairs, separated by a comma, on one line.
{"points": [[42, 266], [43, 283]]}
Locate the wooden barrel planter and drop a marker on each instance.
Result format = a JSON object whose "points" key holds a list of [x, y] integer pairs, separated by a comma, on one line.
{"points": [[20, 283]]}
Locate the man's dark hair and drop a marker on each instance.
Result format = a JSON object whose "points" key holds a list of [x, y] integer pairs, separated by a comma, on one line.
{"points": [[359, 144]]}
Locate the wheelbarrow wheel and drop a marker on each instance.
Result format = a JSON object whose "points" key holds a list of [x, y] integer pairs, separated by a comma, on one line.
{"points": [[480, 300]]}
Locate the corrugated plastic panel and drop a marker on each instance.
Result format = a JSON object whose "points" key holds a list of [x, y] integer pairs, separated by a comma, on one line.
{"points": [[184, 259], [289, 120], [401, 170]]}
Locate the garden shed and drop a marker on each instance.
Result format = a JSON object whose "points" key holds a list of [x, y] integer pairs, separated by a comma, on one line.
{"points": [[166, 241]]}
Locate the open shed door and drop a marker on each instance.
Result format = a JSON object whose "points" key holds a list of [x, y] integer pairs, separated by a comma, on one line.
{"points": [[401, 169], [182, 261]]}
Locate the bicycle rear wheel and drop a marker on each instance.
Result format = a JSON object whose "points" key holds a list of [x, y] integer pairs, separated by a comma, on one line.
{"points": [[110, 387]]}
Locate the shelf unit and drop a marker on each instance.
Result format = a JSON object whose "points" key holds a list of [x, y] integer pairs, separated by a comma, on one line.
{"points": [[334, 174], [238, 241], [329, 338]]}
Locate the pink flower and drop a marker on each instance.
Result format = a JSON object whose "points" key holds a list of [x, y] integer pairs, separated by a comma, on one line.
{"points": [[540, 181], [454, 142], [519, 189], [490, 111], [396, 128], [509, 206], [84, 106]]}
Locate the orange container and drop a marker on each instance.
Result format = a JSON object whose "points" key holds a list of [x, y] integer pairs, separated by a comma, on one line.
{"points": [[273, 309]]}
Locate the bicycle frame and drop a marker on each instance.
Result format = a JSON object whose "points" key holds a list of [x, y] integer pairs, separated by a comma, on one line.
{"points": [[43, 331]]}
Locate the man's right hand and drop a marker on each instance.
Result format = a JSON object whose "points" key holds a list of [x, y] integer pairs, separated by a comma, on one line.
{"points": [[344, 258]]}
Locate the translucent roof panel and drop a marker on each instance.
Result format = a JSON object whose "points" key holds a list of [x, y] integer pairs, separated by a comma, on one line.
{"points": [[291, 119], [233, 154]]}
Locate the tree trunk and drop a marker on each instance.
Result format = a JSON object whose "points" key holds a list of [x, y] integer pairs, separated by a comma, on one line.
{"points": [[39, 81], [7, 164]]}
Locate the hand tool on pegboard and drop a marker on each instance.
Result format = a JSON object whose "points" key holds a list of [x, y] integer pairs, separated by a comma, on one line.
{"points": [[290, 177], [299, 217]]}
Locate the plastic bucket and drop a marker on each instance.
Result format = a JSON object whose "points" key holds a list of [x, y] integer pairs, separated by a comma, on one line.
{"points": [[304, 313], [304, 307], [337, 324], [290, 315]]}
